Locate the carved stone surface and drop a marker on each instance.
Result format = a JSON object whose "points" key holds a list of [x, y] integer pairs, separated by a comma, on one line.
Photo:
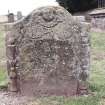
{"points": [[51, 52]]}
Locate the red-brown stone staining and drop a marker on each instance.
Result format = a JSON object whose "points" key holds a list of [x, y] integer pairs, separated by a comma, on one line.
{"points": [[51, 52]]}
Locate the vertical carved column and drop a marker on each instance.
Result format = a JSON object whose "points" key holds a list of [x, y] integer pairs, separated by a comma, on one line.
{"points": [[84, 59], [11, 62]]}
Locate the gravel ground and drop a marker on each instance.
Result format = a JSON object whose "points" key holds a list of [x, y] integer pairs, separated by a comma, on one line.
{"points": [[7, 98]]}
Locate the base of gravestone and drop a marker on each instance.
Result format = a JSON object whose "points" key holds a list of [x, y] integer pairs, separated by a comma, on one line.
{"points": [[82, 88], [60, 89]]}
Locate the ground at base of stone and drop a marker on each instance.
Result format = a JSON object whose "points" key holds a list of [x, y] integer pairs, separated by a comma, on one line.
{"points": [[7, 98]]}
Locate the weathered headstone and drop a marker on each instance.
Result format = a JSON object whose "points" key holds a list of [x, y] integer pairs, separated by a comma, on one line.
{"points": [[48, 53], [10, 17], [19, 15]]}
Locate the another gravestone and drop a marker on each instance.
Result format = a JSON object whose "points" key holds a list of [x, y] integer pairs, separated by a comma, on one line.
{"points": [[19, 15], [48, 53], [10, 17]]}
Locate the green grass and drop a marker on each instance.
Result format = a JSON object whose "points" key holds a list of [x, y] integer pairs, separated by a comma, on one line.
{"points": [[98, 41], [97, 77], [96, 81], [3, 74], [92, 100], [3, 78]]}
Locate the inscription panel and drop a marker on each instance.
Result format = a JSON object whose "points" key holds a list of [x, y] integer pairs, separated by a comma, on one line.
{"points": [[55, 59]]}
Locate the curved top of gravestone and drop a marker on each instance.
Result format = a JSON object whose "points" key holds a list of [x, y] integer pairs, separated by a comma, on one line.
{"points": [[52, 22], [48, 14]]}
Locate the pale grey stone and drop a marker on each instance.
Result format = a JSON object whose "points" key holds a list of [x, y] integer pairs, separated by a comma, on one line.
{"points": [[19, 15]]}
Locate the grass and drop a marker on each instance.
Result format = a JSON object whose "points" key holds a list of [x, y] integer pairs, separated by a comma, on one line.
{"points": [[3, 75], [96, 81], [98, 41], [97, 77], [66, 101]]}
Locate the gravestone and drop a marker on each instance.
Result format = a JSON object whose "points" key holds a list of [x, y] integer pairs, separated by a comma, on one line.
{"points": [[10, 17], [19, 15], [48, 53]]}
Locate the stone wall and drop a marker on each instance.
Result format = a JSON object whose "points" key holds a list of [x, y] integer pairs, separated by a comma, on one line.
{"points": [[48, 53], [98, 23]]}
